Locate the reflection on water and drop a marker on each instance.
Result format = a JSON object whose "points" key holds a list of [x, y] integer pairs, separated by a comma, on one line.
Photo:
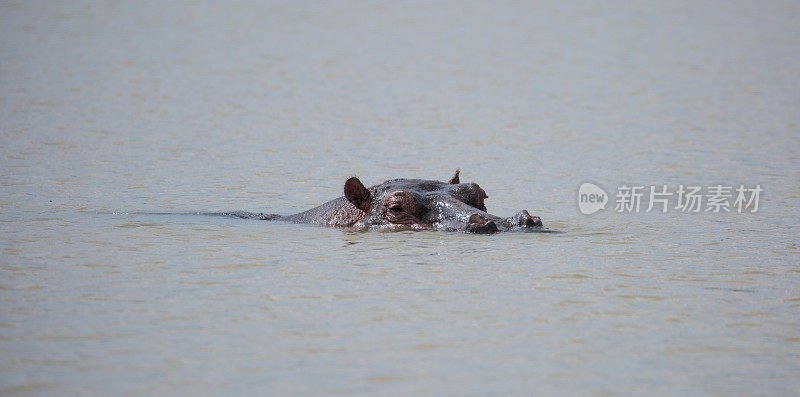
{"points": [[122, 124]]}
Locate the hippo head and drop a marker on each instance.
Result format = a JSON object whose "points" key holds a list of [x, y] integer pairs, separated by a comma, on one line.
{"points": [[425, 204]]}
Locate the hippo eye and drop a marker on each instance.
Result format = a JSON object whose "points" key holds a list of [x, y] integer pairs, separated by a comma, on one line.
{"points": [[396, 208]]}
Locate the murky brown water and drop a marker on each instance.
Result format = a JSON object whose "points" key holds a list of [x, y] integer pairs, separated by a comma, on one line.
{"points": [[109, 111]]}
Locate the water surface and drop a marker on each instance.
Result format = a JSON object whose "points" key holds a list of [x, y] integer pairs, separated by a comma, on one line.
{"points": [[112, 111]]}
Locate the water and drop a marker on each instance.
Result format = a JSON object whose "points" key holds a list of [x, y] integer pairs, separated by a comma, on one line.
{"points": [[111, 111]]}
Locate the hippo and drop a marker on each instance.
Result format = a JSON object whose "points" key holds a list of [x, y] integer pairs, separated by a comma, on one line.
{"points": [[414, 204]]}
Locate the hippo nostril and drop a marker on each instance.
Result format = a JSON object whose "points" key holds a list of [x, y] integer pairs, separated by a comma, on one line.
{"points": [[526, 220], [482, 228], [475, 218], [480, 225]]}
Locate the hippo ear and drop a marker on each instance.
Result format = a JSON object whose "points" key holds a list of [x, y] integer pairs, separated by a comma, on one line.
{"points": [[356, 193], [454, 180]]}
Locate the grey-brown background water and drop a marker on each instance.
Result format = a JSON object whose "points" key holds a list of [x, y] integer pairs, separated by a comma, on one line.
{"points": [[112, 108]]}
